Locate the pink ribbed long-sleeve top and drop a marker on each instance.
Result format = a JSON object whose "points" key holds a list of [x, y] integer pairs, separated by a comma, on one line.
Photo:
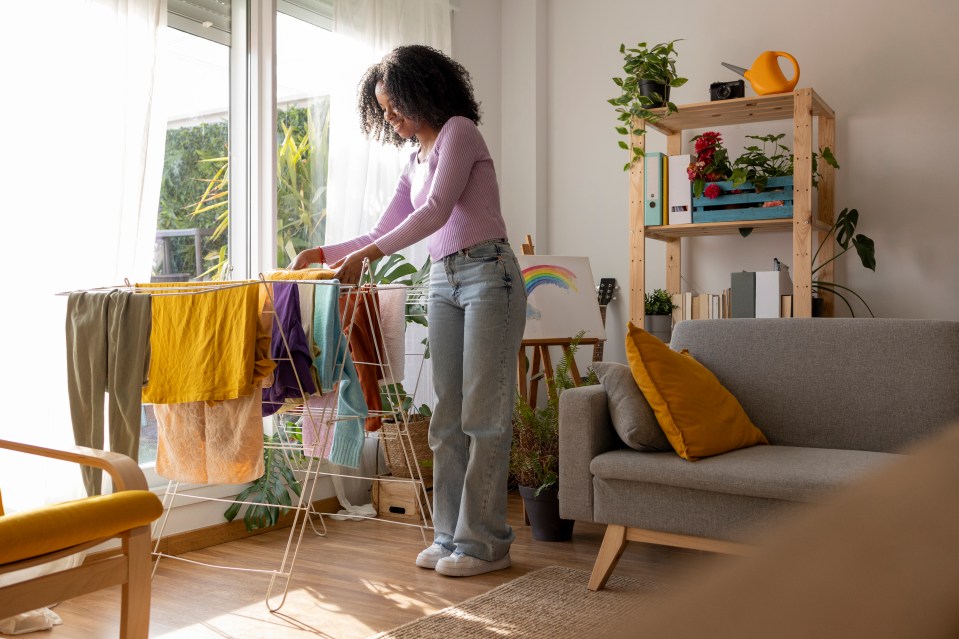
{"points": [[451, 197]]}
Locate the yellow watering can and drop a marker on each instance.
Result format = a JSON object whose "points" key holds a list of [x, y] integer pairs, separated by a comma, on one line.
{"points": [[765, 76]]}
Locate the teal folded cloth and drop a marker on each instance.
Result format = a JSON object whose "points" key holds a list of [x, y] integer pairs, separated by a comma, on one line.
{"points": [[335, 364]]}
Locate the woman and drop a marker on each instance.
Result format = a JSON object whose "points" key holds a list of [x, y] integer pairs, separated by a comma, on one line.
{"points": [[477, 301]]}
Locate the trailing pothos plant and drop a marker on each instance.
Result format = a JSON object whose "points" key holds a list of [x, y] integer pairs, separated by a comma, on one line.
{"points": [[844, 230], [641, 65], [270, 493]]}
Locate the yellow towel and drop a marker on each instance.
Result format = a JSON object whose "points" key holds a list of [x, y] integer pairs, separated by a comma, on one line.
{"points": [[205, 346], [302, 274]]}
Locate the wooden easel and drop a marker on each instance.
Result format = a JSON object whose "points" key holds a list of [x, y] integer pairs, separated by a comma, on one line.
{"points": [[542, 364]]}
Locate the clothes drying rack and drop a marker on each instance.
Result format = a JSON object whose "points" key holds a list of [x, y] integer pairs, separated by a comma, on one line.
{"points": [[307, 468]]}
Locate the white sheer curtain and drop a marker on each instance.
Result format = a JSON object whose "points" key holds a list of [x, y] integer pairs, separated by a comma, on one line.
{"points": [[80, 165], [363, 173]]}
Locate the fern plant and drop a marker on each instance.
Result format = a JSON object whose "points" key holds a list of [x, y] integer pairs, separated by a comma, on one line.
{"points": [[534, 456], [271, 492]]}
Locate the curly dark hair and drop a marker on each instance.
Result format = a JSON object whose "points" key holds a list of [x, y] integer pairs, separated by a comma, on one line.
{"points": [[423, 83]]}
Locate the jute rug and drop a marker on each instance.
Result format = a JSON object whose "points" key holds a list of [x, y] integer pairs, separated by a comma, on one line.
{"points": [[549, 603]]}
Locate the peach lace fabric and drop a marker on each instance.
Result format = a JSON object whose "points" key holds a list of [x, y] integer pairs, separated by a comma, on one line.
{"points": [[201, 443]]}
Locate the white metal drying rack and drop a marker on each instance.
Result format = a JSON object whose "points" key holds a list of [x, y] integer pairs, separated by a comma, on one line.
{"points": [[306, 467]]}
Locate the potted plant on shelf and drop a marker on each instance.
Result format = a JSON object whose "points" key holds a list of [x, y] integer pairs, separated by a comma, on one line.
{"points": [[658, 320], [534, 455], [844, 230], [710, 164], [649, 73]]}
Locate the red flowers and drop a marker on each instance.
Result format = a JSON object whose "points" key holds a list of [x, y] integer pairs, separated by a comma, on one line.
{"points": [[711, 164], [707, 143]]}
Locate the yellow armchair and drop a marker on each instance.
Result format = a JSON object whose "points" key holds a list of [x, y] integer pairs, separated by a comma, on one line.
{"points": [[42, 535]]}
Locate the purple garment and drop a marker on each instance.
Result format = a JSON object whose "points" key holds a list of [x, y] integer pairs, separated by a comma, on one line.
{"points": [[451, 197], [293, 367]]}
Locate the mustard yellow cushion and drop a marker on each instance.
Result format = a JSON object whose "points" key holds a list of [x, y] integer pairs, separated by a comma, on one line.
{"points": [[32, 533], [699, 416]]}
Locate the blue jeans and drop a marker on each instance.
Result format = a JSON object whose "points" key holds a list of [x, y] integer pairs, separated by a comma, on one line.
{"points": [[477, 313]]}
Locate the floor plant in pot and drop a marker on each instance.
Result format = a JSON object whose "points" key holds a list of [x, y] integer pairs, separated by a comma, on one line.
{"points": [[658, 320], [649, 73], [534, 456]]}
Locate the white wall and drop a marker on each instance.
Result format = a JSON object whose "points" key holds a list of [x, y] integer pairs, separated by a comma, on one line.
{"points": [[889, 69]]}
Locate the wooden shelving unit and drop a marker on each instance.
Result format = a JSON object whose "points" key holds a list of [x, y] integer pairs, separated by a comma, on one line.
{"points": [[800, 107]]}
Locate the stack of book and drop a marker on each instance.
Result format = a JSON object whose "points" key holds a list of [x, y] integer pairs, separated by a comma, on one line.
{"points": [[751, 294], [690, 306], [761, 294]]}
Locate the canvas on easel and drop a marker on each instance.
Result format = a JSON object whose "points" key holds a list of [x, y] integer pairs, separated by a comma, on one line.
{"points": [[561, 298]]}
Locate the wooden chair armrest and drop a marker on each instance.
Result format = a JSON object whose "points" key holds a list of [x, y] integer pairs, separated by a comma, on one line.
{"points": [[124, 472]]}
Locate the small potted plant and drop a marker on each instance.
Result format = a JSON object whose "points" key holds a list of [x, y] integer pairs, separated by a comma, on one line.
{"points": [[650, 72], [658, 320]]}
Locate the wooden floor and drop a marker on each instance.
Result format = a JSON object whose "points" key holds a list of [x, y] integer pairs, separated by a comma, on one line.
{"points": [[358, 580]]}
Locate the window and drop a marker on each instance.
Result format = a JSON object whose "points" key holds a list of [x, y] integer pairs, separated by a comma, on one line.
{"points": [[192, 230], [303, 50], [195, 240]]}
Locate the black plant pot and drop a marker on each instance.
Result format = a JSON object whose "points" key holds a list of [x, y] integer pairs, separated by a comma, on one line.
{"points": [[818, 306], [655, 91], [543, 513]]}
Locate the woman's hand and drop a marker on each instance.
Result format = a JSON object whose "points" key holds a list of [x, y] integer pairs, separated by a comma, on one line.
{"points": [[349, 268], [307, 257]]}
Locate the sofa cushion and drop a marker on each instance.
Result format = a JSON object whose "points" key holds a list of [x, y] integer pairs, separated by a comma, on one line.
{"points": [[631, 414], [775, 472], [699, 416]]}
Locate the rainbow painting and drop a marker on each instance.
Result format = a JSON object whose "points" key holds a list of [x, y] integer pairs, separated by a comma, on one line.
{"points": [[545, 274], [561, 300]]}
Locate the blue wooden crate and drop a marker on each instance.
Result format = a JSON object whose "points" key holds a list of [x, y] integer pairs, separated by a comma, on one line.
{"points": [[721, 209]]}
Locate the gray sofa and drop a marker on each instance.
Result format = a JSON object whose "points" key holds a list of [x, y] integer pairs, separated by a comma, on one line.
{"points": [[836, 398]]}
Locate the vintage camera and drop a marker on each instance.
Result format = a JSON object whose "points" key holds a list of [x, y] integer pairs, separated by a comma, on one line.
{"points": [[727, 90]]}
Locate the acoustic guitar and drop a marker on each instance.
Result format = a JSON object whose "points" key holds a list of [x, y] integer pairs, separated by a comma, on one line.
{"points": [[604, 295]]}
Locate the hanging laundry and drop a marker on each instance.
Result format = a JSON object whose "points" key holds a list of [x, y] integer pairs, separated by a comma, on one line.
{"points": [[393, 327], [306, 301], [210, 443], [358, 308], [302, 274], [204, 344], [335, 364], [318, 424], [210, 440], [292, 379], [108, 350]]}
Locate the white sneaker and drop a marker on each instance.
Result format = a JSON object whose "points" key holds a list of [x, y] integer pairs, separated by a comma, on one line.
{"points": [[429, 557], [460, 565]]}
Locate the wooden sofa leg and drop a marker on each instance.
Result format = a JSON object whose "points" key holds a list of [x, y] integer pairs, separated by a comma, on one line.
{"points": [[614, 543], [135, 593]]}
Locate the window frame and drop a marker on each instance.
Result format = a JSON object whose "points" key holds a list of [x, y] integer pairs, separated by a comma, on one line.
{"points": [[251, 36]]}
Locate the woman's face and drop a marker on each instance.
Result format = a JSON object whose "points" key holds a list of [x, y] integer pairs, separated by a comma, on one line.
{"points": [[403, 126]]}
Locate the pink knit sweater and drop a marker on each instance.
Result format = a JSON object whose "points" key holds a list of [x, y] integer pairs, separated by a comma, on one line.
{"points": [[451, 197]]}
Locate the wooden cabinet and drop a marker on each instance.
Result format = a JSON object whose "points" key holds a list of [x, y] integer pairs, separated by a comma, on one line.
{"points": [[800, 106]]}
